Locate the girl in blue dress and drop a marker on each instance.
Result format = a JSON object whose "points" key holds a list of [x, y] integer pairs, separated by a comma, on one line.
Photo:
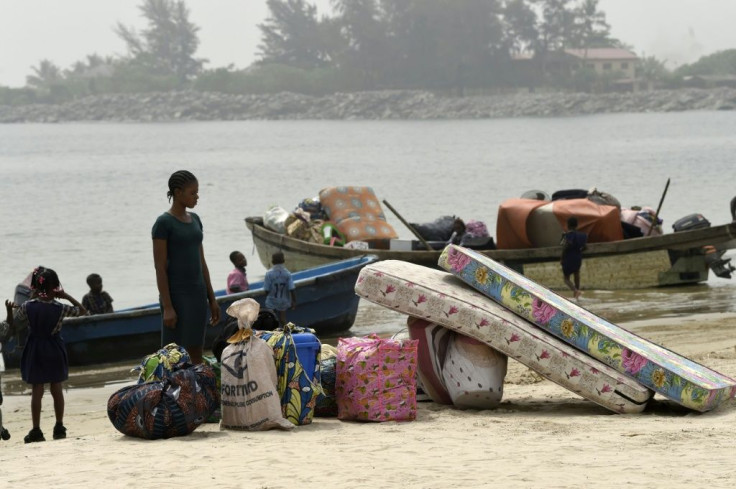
{"points": [[44, 359], [182, 276]]}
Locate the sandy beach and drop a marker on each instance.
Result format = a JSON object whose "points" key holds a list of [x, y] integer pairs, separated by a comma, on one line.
{"points": [[541, 436]]}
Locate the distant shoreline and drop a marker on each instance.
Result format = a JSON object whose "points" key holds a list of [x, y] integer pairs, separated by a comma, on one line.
{"points": [[377, 105]]}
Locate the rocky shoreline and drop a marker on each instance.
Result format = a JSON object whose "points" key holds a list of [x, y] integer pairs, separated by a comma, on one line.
{"points": [[410, 105]]}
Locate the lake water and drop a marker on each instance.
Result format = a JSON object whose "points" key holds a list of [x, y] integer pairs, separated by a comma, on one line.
{"points": [[82, 198]]}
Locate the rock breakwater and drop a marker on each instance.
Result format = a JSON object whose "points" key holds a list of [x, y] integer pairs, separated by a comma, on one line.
{"points": [[415, 105]]}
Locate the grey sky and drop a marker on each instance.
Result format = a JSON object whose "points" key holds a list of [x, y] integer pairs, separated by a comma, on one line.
{"points": [[65, 31]]}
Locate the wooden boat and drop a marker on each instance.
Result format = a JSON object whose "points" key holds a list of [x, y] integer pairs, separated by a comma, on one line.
{"points": [[326, 302], [668, 259]]}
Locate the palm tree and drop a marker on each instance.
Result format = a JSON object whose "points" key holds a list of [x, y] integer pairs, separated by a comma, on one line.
{"points": [[45, 75], [651, 70]]}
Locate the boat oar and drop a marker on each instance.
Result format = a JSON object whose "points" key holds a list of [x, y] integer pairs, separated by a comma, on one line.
{"points": [[411, 228], [659, 207]]}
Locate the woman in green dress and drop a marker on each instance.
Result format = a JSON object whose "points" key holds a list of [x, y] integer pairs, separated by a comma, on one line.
{"points": [[182, 276]]}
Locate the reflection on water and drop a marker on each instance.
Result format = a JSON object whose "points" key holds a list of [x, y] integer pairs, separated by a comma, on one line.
{"points": [[620, 306], [79, 377]]}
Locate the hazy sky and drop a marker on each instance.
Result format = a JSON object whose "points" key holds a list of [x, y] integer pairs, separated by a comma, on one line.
{"points": [[65, 31]]}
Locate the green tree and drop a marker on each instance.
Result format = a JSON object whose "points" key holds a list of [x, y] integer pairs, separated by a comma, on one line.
{"points": [[367, 49], [652, 71], [420, 43], [557, 24], [520, 26], [167, 46], [45, 75], [591, 29], [293, 35], [719, 63]]}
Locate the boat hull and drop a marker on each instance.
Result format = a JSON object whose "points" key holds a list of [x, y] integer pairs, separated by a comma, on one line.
{"points": [[629, 271], [326, 302], [672, 259]]}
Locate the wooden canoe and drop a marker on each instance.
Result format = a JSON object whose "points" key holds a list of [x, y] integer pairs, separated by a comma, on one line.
{"points": [[669, 259], [326, 302]]}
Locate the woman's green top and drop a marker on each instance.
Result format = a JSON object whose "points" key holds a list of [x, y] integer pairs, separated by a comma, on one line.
{"points": [[183, 241]]}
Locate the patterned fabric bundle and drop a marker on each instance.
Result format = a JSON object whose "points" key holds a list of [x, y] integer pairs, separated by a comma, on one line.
{"points": [[215, 365], [326, 403], [376, 379], [175, 406], [473, 373], [297, 388], [458, 369], [357, 214], [157, 366], [433, 340]]}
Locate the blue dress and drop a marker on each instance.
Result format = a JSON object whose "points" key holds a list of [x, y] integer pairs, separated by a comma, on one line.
{"points": [[187, 289], [572, 253], [44, 357]]}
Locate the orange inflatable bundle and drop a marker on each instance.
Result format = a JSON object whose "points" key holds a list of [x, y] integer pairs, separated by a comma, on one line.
{"points": [[356, 212], [526, 223]]}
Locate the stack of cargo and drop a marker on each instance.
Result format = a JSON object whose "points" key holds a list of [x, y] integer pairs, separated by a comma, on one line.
{"points": [[482, 299]]}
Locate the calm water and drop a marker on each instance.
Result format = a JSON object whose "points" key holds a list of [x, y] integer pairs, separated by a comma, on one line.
{"points": [[81, 198]]}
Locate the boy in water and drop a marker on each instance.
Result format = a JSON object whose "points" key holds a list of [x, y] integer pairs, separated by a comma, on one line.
{"points": [[279, 286], [573, 245], [96, 301], [237, 280]]}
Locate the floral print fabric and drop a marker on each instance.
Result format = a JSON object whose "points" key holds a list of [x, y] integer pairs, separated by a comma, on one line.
{"points": [[376, 379], [298, 389], [441, 298], [666, 372]]}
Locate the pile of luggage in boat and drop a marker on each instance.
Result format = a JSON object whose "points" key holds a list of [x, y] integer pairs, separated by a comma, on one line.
{"points": [[339, 216], [353, 217], [536, 220]]}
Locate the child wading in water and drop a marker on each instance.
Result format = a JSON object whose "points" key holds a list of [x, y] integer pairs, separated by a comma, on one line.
{"points": [[44, 359], [279, 286], [573, 245]]}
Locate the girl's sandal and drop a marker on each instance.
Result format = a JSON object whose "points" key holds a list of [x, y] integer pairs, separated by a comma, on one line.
{"points": [[59, 431], [34, 435]]}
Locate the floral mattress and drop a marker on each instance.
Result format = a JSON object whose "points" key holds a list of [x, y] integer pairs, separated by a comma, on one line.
{"points": [[666, 372], [440, 298]]}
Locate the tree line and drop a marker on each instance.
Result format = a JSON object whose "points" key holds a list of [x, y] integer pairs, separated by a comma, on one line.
{"points": [[450, 45]]}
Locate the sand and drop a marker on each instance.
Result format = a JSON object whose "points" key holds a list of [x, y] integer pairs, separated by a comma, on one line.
{"points": [[541, 436]]}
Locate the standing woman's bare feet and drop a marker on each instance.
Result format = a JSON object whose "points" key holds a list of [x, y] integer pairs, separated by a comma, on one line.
{"points": [[578, 293]]}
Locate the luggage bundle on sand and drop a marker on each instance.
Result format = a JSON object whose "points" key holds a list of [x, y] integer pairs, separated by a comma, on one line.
{"points": [[173, 406]]}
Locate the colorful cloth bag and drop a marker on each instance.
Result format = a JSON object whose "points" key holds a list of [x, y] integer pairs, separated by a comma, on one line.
{"points": [[174, 406], [297, 388], [376, 379], [157, 366]]}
